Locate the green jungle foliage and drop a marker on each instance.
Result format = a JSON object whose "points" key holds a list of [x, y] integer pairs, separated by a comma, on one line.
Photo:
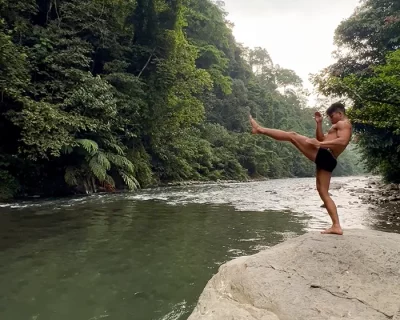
{"points": [[367, 74], [98, 95]]}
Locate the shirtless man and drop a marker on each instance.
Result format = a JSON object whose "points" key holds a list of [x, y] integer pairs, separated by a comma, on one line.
{"points": [[324, 150]]}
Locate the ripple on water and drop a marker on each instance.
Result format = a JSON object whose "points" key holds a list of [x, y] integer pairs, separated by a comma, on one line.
{"points": [[294, 196], [177, 311]]}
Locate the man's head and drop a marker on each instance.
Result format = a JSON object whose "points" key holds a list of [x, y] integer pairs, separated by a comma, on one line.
{"points": [[336, 112]]}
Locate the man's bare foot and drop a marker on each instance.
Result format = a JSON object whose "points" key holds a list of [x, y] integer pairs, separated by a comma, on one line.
{"points": [[254, 125], [333, 230]]}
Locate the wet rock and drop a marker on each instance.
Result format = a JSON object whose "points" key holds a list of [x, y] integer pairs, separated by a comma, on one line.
{"points": [[394, 198], [336, 186], [392, 187], [310, 277]]}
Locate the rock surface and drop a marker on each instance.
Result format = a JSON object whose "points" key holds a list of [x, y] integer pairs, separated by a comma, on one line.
{"points": [[311, 277], [379, 192]]}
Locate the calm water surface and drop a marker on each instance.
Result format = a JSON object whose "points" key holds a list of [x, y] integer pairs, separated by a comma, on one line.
{"points": [[148, 255]]}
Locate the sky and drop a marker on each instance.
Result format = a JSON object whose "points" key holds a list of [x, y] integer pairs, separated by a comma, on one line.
{"points": [[298, 34]]}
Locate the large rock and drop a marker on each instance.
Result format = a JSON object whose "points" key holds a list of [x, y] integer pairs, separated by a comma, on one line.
{"points": [[311, 277]]}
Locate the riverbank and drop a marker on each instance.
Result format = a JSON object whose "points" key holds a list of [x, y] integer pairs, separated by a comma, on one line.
{"points": [[375, 191], [378, 192], [101, 191], [203, 182]]}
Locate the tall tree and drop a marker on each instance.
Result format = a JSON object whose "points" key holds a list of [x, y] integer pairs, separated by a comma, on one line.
{"points": [[367, 74]]}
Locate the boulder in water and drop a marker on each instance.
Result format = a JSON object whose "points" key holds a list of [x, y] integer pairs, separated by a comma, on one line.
{"points": [[311, 277]]}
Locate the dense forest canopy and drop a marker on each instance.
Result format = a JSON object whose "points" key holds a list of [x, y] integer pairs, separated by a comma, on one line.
{"points": [[105, 94], [367, 74]]}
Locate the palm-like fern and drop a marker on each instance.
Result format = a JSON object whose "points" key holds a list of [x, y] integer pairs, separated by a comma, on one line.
{"points": [[89, 145], [97, 164]]}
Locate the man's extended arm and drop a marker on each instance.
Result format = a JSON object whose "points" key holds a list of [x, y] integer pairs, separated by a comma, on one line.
{"points": [[319, 133], [343, 133]]}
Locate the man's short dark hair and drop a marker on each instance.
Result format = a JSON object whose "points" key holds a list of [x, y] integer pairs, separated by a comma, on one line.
{"points": [[336, 107]]}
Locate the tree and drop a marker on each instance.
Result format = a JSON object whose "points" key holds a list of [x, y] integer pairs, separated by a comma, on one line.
{"points": [[106, 95], [287, 77], [368, 77]]}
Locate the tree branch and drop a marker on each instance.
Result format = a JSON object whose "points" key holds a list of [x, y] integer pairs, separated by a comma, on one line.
{"points": [[145, 66]]}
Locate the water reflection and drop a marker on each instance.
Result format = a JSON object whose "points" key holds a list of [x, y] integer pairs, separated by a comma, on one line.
{"points": [[386, 217], [124, 259]]}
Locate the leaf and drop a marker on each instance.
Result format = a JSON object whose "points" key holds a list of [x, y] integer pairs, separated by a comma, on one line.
{"points": [[98, 170], [67, 149], [121, 162], [129, 180], [103, 161], [114, 146], [70, 176], [89, 145]]}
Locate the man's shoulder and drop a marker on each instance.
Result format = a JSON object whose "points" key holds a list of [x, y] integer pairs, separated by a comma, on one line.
{"points": [[343, 124]]}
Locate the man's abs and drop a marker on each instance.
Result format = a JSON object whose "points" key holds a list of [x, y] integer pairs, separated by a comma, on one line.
{"points": [[336, 150]]}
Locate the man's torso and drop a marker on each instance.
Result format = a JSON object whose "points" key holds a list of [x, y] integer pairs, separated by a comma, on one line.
{"points": [[333, 134]]}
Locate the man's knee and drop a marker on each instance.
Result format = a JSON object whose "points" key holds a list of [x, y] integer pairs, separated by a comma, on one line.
{"points": [[323, 193], [322, 190]]}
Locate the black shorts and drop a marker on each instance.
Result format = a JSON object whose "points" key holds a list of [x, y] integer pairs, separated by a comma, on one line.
{"points": [[325, 160]]}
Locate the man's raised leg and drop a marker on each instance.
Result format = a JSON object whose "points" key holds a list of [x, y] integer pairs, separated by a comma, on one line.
{"points": [[299, 141], [323, 182]]}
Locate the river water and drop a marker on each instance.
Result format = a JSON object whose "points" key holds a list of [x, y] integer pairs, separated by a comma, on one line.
{"points": [[148, 255]]}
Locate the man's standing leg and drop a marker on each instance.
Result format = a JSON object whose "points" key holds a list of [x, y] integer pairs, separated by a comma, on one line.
{"points": [[323, 182]]}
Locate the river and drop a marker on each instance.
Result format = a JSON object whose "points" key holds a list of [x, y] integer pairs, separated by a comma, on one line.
{"points": [[148, 255]]}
